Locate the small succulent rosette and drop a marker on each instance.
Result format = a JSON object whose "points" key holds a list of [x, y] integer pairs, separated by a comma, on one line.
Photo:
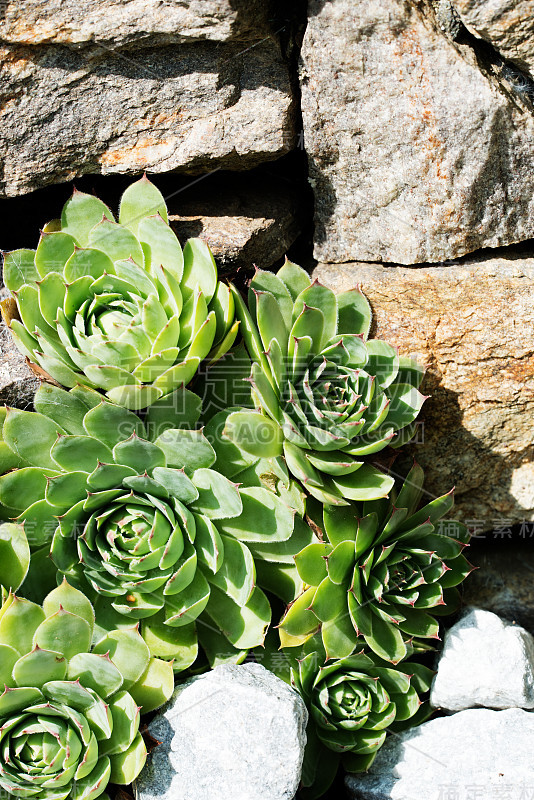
{"points": [[69, 713], [353, 703], [328, 397], [117, 306], [137, 518], [382, 572]]}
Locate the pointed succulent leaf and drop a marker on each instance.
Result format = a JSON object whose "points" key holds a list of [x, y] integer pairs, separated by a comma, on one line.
{"points": [[80, 214], [155, 686], [128, 652], [65, 632], [141, 199], [200, 270], [14, 555], [265, 518], [18, 623], [160, 245], [31, 436], [185, 449], [38, 667], [294, 277], [255, 433], [19, 269], [95, 672]]}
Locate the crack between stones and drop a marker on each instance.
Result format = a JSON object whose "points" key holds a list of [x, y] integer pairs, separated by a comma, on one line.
{"points": [[489, 60]]}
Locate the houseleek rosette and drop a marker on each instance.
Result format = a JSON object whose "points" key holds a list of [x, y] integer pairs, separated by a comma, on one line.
{"points": [[353, 703], [327, 397], [118, 306], [139, 520], [69, 715], [382, 567]]}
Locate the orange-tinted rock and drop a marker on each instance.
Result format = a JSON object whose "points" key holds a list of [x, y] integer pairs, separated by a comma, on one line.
{"points": [[472, 326]]}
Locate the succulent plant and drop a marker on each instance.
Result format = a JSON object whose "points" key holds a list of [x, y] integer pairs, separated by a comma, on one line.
{"points": [[381, 568], [352, 703], [117, 306], [69, 717], [327, 396], [14, 556], [139, 520], [275, 562]]}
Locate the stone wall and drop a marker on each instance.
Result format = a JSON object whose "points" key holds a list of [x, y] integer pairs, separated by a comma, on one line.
{"points": [[411, 120]]}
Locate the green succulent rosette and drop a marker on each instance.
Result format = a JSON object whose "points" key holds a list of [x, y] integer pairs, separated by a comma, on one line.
{"points": [[328, 397], [140, 521], [117, 306], [353, 703], [382, 567], [69, 717]]}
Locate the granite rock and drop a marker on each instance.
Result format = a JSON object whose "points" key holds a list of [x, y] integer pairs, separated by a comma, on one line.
{"points": [[472, 326], [18, 384], [245, 222], [485, 661], [140, 22], [475, 753], [236, 732], [417, 151], [193, 107], [506, 24]]}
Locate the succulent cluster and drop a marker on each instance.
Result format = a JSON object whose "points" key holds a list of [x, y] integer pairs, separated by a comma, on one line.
{"points": [[69, 718], [138, 520], [328, 397], [353, 702], [117, 306], [381, 568], [149, 531]]}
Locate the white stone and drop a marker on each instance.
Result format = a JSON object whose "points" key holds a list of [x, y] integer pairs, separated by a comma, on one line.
{"points": [[236, 733], [486, 661], [476, 753]]}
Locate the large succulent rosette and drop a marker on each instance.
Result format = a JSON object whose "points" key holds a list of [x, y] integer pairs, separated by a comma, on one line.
{"points": [[118, 306], [353, 703], [327, 396], [139, 520], [69, 716], [382, 567]]}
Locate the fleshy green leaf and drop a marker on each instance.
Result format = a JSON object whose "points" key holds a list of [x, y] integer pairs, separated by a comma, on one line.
{"points": [[14, 555]]}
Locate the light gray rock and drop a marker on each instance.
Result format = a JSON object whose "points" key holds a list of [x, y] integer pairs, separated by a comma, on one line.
{"points": [[507, 24], [476, 753], [117, 23], [194, 108], [236, 732], [246, 221], [18, 384], [485, 662], [415, 154], [472, 326]]}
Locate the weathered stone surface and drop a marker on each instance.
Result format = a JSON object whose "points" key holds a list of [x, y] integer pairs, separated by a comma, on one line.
{"points": [[503, 581], [17, 383], [472, 326], [191, 107], [415, 154], [236, 732], [245, 222], [473, 754], [485, 662], [507, 24], [116, 23]]}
